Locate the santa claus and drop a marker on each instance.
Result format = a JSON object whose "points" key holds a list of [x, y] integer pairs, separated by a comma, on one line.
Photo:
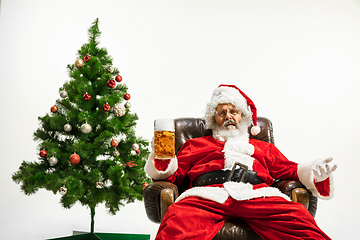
{"points": [[231, 177]]}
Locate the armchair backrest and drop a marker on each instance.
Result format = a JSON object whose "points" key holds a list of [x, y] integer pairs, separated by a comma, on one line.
{"points": [[187, 128]]}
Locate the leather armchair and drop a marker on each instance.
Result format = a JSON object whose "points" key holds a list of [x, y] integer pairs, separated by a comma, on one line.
{"points": [[159, 195]]}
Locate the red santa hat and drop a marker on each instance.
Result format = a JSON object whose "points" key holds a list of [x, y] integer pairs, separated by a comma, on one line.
{"points": [[232, 94]]}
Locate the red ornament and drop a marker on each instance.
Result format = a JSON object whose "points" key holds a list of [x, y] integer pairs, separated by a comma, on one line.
{"points": [[74, 159], [118, 78], [54, 109], [87, 58], [43, 153], [114, 143], [87, 97], [137, 151], [144, 185], [111, 83], [127, 96], [106, 107]]}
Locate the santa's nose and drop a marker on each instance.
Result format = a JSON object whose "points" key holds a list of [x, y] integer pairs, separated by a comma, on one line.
{"points": [[228, 116]]}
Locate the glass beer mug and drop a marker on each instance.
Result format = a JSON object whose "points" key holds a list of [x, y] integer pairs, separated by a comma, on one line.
{"points": [[164, 138]]}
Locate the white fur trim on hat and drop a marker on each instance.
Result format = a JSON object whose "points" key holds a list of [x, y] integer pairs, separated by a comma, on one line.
{"points": [[225, 95]]}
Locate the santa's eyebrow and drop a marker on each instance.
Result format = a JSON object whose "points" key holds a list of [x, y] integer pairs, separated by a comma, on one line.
{"points": [[230, 109]]}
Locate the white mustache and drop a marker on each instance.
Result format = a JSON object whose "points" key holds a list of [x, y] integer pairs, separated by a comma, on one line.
{"points": [[227, 122]]}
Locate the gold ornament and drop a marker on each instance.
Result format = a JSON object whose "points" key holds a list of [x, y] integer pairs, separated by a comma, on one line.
{"points": [[79, 63]]}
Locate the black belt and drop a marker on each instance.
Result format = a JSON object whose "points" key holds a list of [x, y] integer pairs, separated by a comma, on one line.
{"points": [[235, 175]]}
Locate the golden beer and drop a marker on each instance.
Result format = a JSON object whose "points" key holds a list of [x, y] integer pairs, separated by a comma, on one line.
{"points": [[164, 144], [164, 138]]}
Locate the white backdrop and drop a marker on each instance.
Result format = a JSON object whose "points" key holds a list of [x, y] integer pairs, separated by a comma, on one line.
{"points": [[298, 60]]}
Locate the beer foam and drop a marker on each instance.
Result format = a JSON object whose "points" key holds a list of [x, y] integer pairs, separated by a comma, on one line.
{"points": [[164, 124]]}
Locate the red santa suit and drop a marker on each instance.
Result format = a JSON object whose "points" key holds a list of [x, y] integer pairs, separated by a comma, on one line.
{"points": [[200, 212]]}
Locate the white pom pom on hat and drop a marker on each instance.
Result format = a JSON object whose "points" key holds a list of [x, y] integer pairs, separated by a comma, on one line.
{"points": [[255, 129]]}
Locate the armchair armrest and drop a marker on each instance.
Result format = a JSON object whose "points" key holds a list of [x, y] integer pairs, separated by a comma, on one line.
{"points": [[297, 192], [158, 196]]}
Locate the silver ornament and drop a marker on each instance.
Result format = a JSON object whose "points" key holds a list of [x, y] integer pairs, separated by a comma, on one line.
{"points": [[110, 69], [63, 190], [85, 128], [116, 153], [119, 110], [135, 146], [128, 105], [99, 184], [63, 94], [67, 127], [53, 161]]}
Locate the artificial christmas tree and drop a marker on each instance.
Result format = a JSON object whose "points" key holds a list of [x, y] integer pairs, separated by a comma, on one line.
{"points": [[78, 157]]}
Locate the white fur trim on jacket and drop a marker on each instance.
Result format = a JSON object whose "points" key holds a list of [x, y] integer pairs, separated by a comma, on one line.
{"points": [[306, 177], [238, 150], [244, 191], [238, 191], [160, 175], [215, 194]]}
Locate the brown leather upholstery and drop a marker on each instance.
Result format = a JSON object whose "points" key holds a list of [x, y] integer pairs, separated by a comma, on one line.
{"points": [[152, 199], [186, 128], [157, 196]]}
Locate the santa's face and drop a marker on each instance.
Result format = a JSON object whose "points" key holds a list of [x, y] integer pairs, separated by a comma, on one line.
{"points": [[228, 116]]}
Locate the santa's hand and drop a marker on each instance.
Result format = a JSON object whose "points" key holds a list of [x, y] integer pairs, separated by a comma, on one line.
{"points": [[322, 170]]}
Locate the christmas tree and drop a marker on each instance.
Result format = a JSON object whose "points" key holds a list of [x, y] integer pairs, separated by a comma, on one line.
{"points": [[88, 150]]}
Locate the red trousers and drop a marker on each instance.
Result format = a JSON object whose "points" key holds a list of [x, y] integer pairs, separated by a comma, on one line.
{"points": [[271, 218]]}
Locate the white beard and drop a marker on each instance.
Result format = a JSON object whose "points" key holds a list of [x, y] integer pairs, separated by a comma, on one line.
{"points": [[237, 147], [239, 132]]}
